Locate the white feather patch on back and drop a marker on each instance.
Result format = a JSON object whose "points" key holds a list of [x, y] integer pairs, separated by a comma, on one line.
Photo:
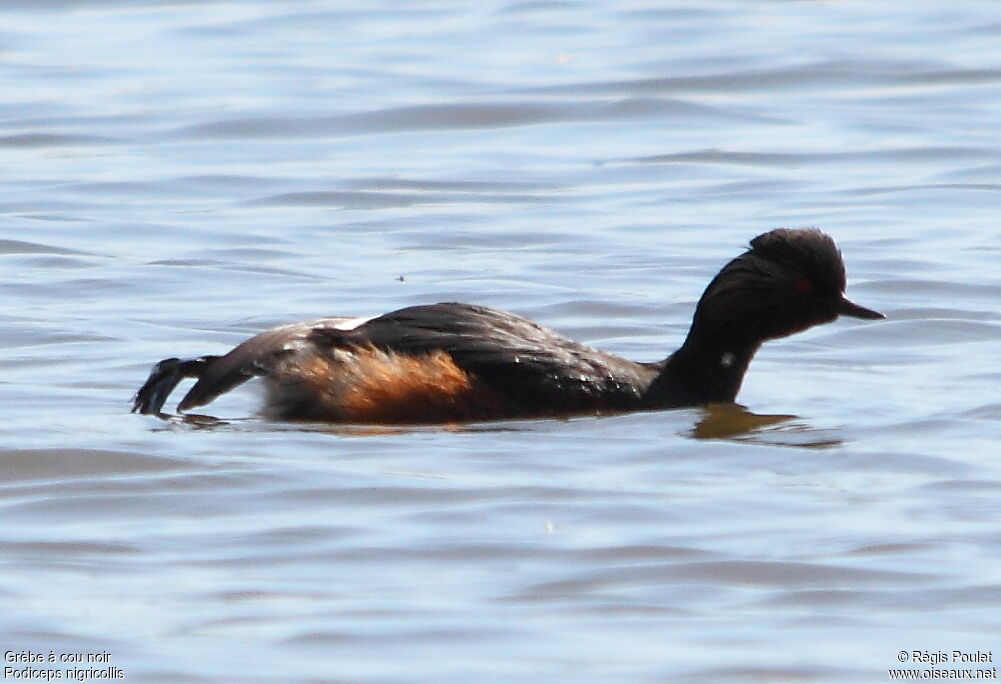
{"points": [[299, 332], [344, 323]]}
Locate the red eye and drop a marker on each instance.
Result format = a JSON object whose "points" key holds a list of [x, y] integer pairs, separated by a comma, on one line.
{"points": [[802, 285]]}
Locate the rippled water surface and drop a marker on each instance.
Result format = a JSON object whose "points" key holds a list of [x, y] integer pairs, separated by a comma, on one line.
{"points": [[177, 176]]}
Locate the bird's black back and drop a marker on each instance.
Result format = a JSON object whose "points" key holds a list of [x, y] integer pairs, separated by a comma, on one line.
{"points": [[539, 369]]}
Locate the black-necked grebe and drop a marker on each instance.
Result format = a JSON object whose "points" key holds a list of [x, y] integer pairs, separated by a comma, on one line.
{"points": [[457, 362]]}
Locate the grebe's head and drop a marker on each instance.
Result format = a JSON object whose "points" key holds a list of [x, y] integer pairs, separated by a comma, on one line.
{"points": [[789, 280]]}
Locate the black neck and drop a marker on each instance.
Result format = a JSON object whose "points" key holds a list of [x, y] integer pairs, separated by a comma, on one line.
{"points": [[702, 371]]}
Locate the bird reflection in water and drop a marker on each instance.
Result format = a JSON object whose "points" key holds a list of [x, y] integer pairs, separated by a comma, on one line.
{"points": [[719, 421], [734, 421]]}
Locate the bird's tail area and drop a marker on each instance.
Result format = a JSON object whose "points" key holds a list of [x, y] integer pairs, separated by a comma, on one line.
{"points": [[164, 378], [219, 374]]}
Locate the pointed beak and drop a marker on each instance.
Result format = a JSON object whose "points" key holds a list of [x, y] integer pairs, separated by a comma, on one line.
{"points": [[850, 308]]}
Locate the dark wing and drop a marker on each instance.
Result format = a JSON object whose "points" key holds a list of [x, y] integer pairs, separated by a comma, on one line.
{"points": [[539, 369]]}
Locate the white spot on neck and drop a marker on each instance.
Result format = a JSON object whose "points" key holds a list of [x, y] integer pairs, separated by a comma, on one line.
{"points": [[727, 359]]}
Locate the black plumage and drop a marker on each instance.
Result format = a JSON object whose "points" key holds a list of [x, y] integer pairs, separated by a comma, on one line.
{"points": [[453, 361]]}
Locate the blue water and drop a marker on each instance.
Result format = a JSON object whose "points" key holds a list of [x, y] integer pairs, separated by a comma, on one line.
{"points": [[178, 176]]}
